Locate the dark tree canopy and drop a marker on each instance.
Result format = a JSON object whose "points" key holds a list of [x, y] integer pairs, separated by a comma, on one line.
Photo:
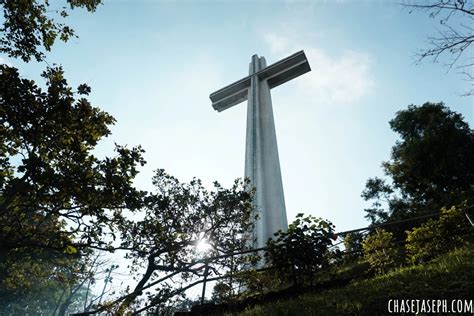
{"points": [[28, 27], [431, 166], [52, 188], [57, 200]]}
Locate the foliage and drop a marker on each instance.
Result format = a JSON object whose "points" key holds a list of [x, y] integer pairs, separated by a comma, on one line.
{"points": [[51, 187], [176, 218], [353, 245], [299, 253], [57, 200], [45, 283], [424, 242], [260, 282], [185, 304], [31, 283], [221, 292], [27, 26], [454, 37], [436, 237], [431, 166], [447, 277], [380, 251]]}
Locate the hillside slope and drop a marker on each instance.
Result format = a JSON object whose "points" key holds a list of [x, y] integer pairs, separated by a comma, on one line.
{"points": [[450, 276]]}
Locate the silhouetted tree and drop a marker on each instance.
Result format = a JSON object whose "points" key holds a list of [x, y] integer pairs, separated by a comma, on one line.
{"points": [[177, 217], [431, 166]]}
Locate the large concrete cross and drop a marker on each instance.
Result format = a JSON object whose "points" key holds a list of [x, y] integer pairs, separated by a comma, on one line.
{"points": [[262, 165]]}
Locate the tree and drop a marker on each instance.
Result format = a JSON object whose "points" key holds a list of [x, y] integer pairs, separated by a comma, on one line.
{"points": [[27, 26], [57, 200], [76, 295], [55, 196], [39, 284], [431, 166], [454, 39], [162, 244], [51, 187], [300, 252], [32, 283]]}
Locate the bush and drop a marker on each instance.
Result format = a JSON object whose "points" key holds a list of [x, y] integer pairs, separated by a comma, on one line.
{"points": [[221, 292], [436, 237], [353, 245], [300, 252], [447, 277], [259, 282], [380, 251]]}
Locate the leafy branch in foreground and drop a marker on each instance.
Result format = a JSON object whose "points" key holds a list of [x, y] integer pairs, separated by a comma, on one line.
{"points": [[28, 26], [53, 191]]}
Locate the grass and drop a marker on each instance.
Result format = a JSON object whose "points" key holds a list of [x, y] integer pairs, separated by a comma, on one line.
{"points": [[450, 276]]}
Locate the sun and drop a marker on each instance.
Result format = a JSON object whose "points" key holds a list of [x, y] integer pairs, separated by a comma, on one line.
{"points": [[203, 246]]}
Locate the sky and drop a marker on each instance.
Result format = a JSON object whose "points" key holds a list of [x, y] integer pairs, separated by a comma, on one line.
{"points": [[153, 64]]}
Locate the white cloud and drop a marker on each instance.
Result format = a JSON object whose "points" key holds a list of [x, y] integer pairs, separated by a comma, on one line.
{"points": [[334, 79], [338, 79]]}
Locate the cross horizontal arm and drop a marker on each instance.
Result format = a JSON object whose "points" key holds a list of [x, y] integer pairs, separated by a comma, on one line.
{"points": [[275, 74], [285, 69], [231, 95]]}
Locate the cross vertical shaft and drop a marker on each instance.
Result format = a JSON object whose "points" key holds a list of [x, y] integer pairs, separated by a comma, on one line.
{"points": [[262, 164]]}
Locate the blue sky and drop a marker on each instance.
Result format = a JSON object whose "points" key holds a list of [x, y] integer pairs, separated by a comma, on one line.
{"points": [[153, 64]]}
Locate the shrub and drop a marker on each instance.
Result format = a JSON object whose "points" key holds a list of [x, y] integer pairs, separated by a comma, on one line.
{"points": [[436, 237], [259, 282], [300, 252], [380, 251], [221, 292], [353, 245], [447, 277]]}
